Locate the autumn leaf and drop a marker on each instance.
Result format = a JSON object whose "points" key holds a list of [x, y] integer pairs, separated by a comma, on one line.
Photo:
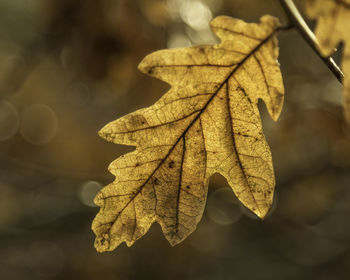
{"points": [[333, 20], [208, 122]]}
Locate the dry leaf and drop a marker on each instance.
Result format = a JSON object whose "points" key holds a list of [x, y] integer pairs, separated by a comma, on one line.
{"points": [[207, 122], [333, 20]]}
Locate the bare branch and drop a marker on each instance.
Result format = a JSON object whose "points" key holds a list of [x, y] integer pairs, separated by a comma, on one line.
{"points": [[298, 21]]}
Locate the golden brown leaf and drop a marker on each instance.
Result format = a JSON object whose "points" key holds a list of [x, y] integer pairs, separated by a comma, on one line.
{"points": [[333, 20], [207, 122]]}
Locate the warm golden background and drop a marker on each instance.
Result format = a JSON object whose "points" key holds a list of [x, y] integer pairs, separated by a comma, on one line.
{"points": [[68, 67]]}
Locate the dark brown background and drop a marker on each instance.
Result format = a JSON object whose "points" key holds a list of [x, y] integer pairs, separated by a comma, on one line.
{"points": [[68, 67]]}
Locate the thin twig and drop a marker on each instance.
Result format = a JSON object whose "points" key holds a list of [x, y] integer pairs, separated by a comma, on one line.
{"points": [[298, 21]]}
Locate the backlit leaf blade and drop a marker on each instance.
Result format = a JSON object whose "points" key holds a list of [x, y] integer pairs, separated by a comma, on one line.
{"points": [[208, 122]]}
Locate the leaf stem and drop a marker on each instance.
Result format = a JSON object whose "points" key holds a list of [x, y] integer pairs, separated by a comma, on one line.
{"points": [[298, 22]]}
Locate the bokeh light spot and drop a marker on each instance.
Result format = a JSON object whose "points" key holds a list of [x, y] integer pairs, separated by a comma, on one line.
{"points": [[178, 40], [39, 124], [223, 207], [9, 120], [196, 14], [88, 191]]}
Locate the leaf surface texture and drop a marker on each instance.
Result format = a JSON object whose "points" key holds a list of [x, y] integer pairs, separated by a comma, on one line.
{"points": [[208, 122]]}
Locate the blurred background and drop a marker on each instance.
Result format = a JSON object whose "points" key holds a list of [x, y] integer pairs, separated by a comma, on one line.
{"points": [[68, 67]]}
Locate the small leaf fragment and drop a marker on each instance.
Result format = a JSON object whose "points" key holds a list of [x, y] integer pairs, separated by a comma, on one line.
{"points": [[333, 20]]}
